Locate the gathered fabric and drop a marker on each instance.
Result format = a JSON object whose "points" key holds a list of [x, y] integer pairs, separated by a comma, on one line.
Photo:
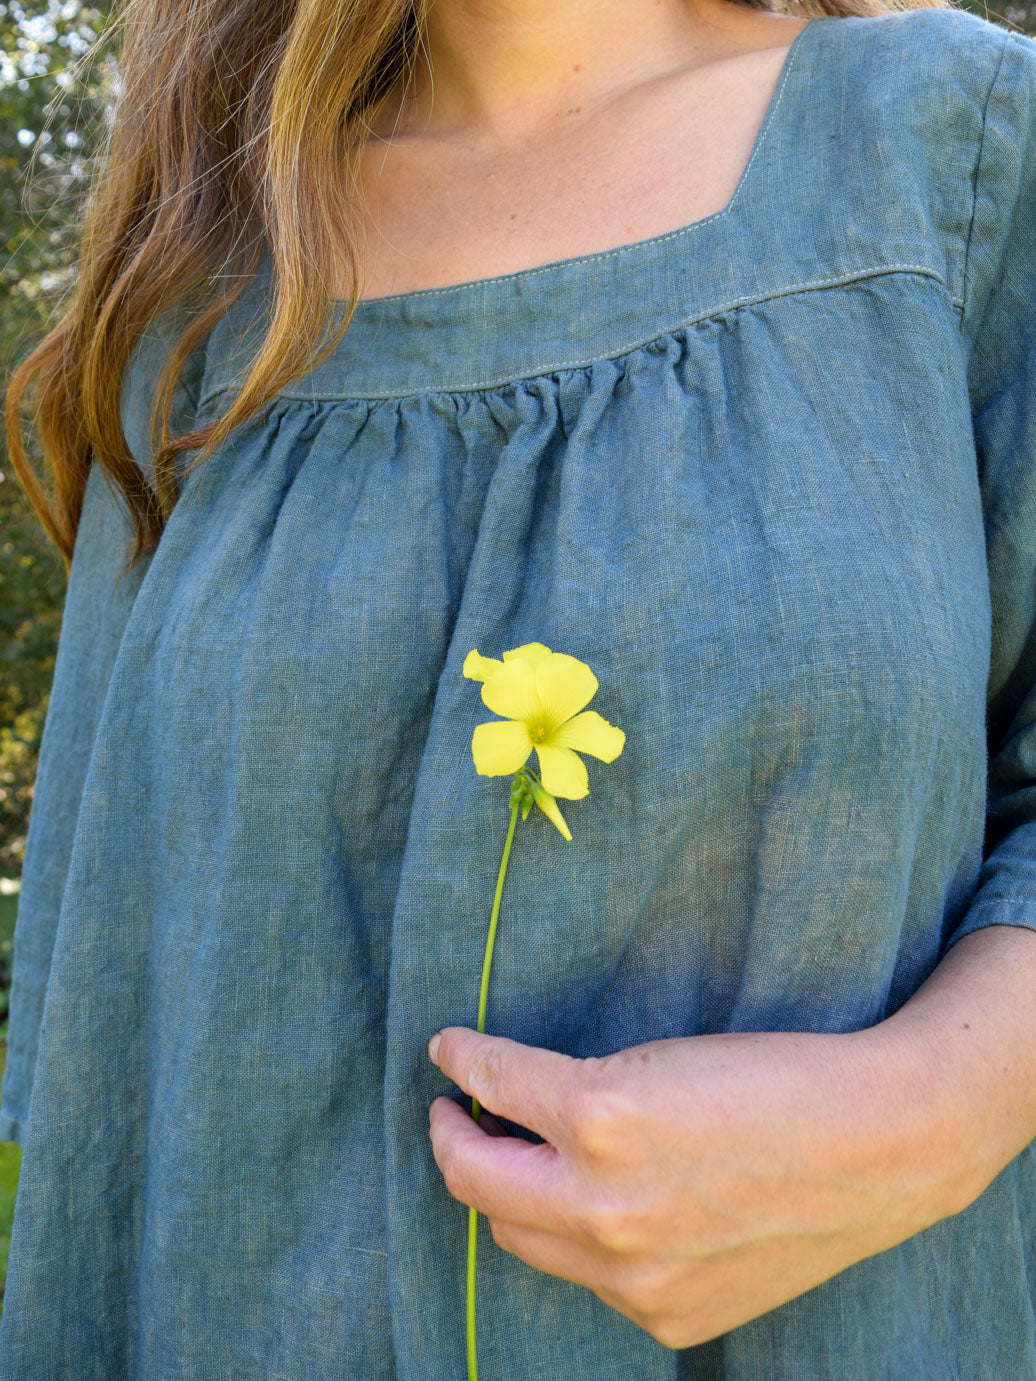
{"points": [[773, 476]]}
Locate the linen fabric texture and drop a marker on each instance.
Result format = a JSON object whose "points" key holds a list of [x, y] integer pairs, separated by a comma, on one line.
{"points": [[773, 476]]}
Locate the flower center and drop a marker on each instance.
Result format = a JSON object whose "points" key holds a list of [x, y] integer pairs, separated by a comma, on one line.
{"points": [[537, 733]]}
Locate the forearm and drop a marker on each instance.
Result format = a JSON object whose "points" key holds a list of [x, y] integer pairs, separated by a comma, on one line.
{"points": [[959, 1063]]}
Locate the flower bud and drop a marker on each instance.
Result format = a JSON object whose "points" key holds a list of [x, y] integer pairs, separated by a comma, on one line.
{"points": [[549, 806]]}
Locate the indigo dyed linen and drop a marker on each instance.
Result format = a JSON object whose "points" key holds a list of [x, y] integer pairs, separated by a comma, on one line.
{"points": [[773, 476]]}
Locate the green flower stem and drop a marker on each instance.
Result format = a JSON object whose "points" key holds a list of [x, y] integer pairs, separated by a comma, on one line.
{"points": [[483, 997]]}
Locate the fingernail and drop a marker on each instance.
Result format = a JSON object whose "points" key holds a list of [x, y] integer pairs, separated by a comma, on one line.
{"points": [[433, 1047]]}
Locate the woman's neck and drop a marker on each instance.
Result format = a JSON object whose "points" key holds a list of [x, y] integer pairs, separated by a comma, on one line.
{"points": [[494, 73]]}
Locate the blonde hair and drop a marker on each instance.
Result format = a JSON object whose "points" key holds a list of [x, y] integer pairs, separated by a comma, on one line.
{"points": [[236, 127]]}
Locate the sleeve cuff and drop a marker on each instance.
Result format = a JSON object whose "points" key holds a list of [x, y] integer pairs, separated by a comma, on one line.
{"points": [[12, 1128], [1019, 911]]}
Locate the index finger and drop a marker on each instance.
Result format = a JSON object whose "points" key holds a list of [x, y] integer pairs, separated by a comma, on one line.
{"points": [[534, 1087]]}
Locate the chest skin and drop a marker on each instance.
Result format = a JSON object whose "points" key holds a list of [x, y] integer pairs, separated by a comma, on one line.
{"points": [[439, 210]]}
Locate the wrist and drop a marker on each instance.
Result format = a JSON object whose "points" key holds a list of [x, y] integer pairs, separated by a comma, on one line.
{"points": [[924, 1142]]}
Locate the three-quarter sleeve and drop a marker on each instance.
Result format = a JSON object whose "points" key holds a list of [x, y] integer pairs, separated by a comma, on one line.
{"points": [[1000, 329], [96, 609]]}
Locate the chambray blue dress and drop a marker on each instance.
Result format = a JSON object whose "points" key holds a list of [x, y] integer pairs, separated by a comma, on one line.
{"points": [[773, 476]]}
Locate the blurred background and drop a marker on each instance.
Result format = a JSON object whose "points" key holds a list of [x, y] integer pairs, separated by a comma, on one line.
{"points": [[50, 117]]}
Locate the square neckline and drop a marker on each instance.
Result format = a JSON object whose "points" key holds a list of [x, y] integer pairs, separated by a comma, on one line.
{"points": [[487, 333], [340, 304]]}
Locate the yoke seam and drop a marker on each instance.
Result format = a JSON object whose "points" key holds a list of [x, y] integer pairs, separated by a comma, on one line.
{"points": [[785, 290]]}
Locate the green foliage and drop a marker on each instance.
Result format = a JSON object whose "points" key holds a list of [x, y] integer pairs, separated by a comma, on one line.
{"points": [[8, 911], [1016, 16], [32, 581], [10, 1164]]}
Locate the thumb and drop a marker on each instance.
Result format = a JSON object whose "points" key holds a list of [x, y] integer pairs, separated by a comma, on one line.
{"points": [[525, 1083]]}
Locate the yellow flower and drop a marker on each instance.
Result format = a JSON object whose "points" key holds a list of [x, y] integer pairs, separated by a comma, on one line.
{"points": [[540, 694]]}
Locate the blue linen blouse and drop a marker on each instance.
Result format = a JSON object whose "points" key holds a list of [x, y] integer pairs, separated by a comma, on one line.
{"points": [[773, 476]]}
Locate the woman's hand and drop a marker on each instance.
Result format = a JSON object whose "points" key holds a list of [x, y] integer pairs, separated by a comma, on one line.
{"points": [[693, 1184]]}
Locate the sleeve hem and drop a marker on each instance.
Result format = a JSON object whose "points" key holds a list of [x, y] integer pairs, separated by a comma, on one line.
{"points": [[12, 1127], [1016, 911]]}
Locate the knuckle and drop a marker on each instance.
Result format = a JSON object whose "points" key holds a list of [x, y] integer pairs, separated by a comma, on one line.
{"points": [[648, 1293], [646, 1289], [484, 1072], [602, 1112], [586, 1217], [612, 1226]]}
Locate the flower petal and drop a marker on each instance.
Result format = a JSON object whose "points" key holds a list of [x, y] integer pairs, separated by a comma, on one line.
{"points": [[500, 746], [590, 733], [564, 684], [480, 668], [563, 772], [528, 652], [511, 692]]}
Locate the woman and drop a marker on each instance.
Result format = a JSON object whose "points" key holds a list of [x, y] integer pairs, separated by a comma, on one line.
{"points": [[761, 1035]]}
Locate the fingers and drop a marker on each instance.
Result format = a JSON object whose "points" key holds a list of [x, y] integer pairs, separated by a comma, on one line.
{"points": [[639, 1287], [533, 1087], [490, 1125], [500, 1176], [556, 1256]]}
